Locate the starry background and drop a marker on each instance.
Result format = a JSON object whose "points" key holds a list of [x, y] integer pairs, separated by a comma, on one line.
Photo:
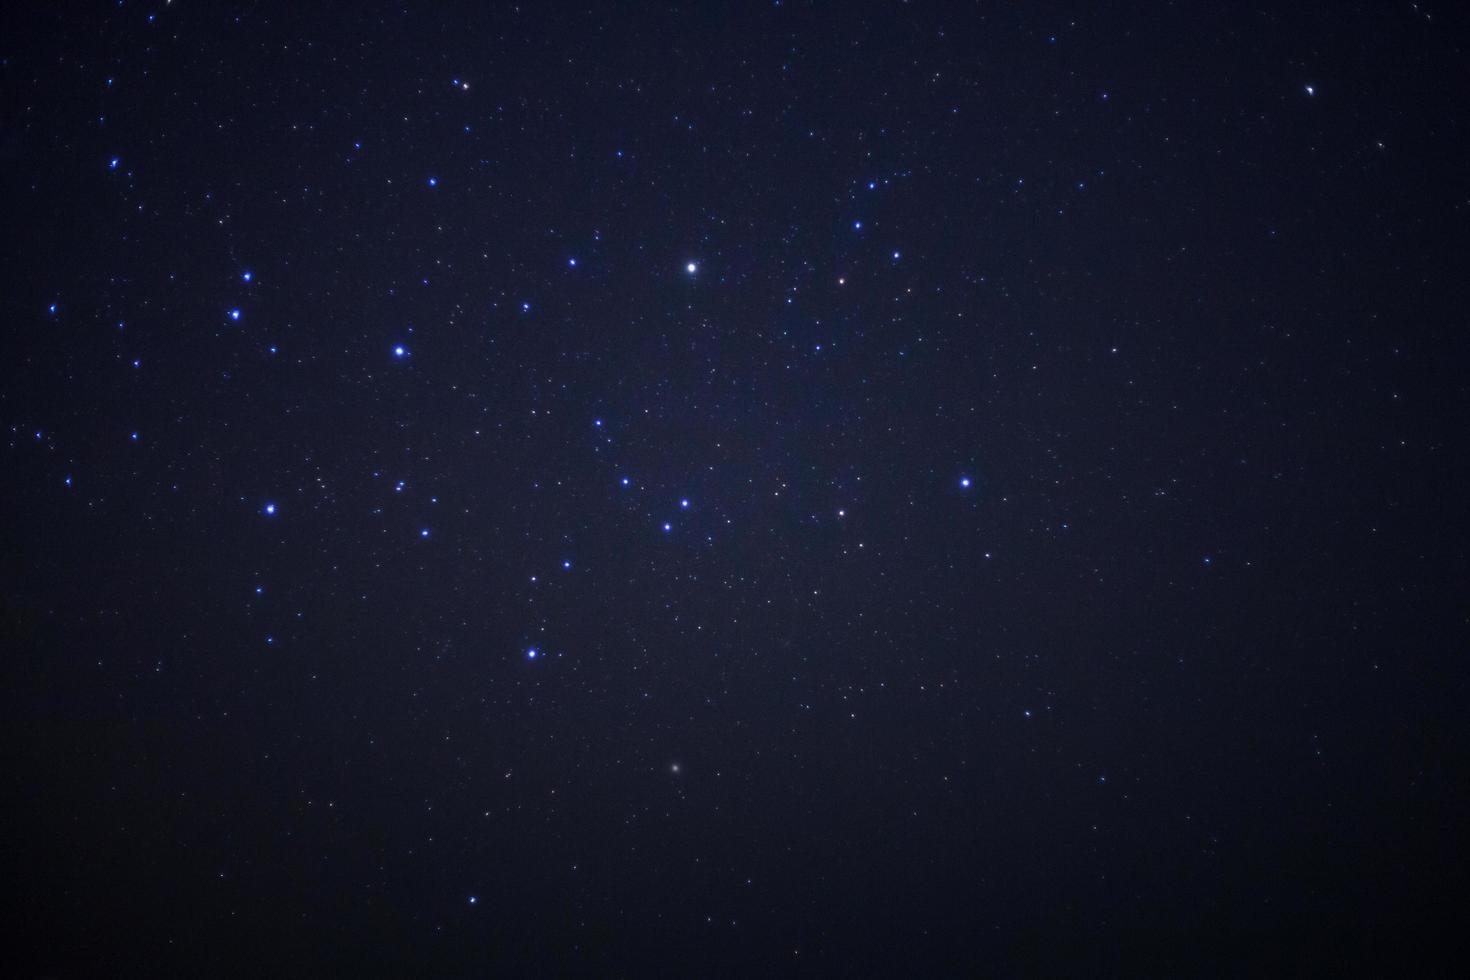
{"points": [[897, 489]]}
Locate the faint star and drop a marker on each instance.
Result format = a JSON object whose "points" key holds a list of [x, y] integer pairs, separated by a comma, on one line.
{"points": [[473, 900]]}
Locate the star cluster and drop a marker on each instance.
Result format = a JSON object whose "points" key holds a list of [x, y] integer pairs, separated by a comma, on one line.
{"points": [[901, 490]]}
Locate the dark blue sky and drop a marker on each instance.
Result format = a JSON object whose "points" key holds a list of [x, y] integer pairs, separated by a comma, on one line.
{"points": [[895, 489]]}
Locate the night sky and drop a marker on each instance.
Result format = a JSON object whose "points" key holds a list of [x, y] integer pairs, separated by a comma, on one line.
{"points": [[883, 489]]}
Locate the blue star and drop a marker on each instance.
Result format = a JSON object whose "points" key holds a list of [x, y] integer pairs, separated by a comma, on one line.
{"points": [[566, 564], [691, 268], [433, 181], [134, 437], [235, 313], [112, 164], [68, 481], [247, 275], [259, 589], [398, 487], [572, 262], [597, 422], [51, 309], [684, 503], [401, 351], [270, 510], [531, 654], [857, 226], [668, 527], [423, 532], [525, 307], [964, 483], [473, 900], [625, 481]]}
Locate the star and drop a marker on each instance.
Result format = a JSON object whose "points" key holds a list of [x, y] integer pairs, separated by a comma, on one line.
{"points": [[531, 654], [247, 275], [473, 899], [625, 481], [684, 504], [964, 483], [1311, 89], [691, 268], [668, 527], [235, 313], [423, 532], [112, 164], [433, 181], [401, 351], [572, 262], [270, 510]]}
